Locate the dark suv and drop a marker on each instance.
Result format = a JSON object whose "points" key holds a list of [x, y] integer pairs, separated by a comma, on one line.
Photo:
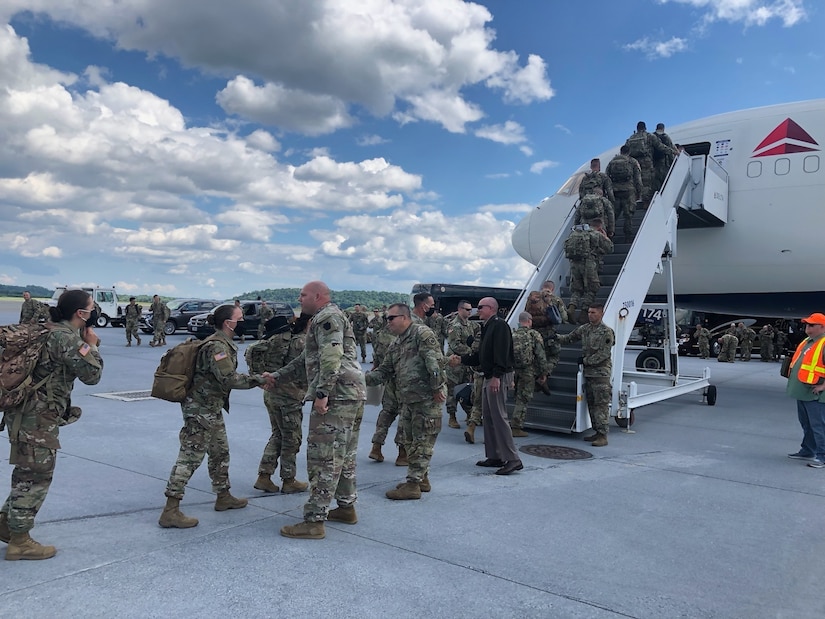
{"points": [[181, 310], [251, 318]]}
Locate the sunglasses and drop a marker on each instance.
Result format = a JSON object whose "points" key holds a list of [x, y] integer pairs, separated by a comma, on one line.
{"points": [[393, 317], [483, 306]]}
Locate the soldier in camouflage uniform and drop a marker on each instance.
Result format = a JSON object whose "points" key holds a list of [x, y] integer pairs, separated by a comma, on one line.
{"points": [[642, 147], [595, 206], [32, 310], [663, 161], [131, 315], [461, 328], [703, 336], [746, 337], [159, 317], [360, 323], [780, 345], [596, 179], [531, 364], [727, 351], [416, 363], [389, 405], [337, 391], [267, 314], [438, 325], [203, 432], [70, 352], [597, 343], [626, 175], [584, 248], [766, 343], [283, 403], [537, 304]]}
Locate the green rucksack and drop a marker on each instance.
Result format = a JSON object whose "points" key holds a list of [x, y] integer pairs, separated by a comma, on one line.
{"points": [[22, 347], [591, 181], [620, 170], [267, 355], [577, 245], [173, 378], [639, 148], [590, 207]]}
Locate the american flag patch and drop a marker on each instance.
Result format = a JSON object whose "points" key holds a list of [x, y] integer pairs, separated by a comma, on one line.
{"points": [[220, 356], [84, 349]]}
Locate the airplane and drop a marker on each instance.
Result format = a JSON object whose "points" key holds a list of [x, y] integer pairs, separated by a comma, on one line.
{"points": [[762, 258]]}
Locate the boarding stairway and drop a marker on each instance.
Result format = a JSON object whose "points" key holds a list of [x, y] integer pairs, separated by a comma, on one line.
{"points": [[695, 191]]}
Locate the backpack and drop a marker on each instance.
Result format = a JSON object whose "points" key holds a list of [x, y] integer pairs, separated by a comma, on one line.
{"points": [[620, 170], [173, 378], [577, 246], [590, 182], [261, 354], [522, 351], [591, 207], [639, 148], [24, 344], [535, 304]]}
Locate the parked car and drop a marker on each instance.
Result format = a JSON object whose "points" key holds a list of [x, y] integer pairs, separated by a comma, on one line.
{"points": [[181, 310], [251, 318]]}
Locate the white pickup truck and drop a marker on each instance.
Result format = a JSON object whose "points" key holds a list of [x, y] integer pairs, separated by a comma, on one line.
{"points": [[106, 298]]}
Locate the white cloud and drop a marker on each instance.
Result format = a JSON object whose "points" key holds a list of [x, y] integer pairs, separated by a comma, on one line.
{"points": [[561, 127], [658, 49], [541, 166], [506, 208], [370, 140], [749, 12], [509, 133]]}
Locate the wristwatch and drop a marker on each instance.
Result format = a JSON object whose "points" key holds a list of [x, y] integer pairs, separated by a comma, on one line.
{"points": [[320, 395]]}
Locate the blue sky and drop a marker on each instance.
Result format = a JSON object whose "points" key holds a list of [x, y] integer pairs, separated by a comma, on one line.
{"points": [[206, 148]]}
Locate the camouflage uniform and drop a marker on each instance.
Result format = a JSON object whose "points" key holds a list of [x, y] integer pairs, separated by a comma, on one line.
{"points": [[457, 334], [203, 432], [537, 304], [131, 316], [33, 426], [592, 206], [781, 344], [588, 246], [159, 316], [652, 147], [766, 343], [360, 322], [439, 326], [283, 403], [389, 401], [703, 336], [416, 363], [746, 342], [330, 363], [267, 314], [528, 351], [727, 351], [597, 342], [32, 310], [663, 161], [593, 179], [626, 175]]}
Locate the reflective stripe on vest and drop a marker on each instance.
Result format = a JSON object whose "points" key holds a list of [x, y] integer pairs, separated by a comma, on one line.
{"points": [[811, 370]]}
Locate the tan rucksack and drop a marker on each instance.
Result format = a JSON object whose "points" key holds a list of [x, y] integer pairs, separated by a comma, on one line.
{"points": [[173, 378], [23, 345]]}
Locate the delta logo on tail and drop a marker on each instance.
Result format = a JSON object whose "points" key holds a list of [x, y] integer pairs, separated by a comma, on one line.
{"points": [[788, 137]]}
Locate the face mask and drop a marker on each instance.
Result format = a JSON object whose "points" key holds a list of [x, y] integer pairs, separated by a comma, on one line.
{"points": [[430, 311], [91, 321], [239, 328]]}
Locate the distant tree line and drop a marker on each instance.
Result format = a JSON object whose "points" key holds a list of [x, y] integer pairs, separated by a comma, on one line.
{"points": [[38, 292], [342, 298]]}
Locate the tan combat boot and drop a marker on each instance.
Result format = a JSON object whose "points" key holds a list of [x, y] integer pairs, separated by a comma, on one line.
{"points": [[345, 514], [291, 486], [401, 460], [591, 438], [265, 484], [227, 501], [173, 518], [304, 530], [453, 422], [600, 441], [469, 433], [518, 433], [407, 491], [425, 485], [375, 453], [128, 344], [138, 340], [21, 546], [5, 533]]}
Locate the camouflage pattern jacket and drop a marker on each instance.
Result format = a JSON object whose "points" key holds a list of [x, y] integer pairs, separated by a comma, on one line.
{"points": [[329, 361], [65, 356], [537, 304], [160, 312], [597, 344], [625, 165], [593, 179], [132, 312], [216, 375], [281, 349], [32, 310], [360, 321], [415, 361], [528, 350]]}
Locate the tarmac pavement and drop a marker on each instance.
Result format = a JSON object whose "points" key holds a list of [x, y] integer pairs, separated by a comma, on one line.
{"points": [[699, 513]]}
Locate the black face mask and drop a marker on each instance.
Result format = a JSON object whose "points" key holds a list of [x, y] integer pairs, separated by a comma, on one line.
{"points": [[430, 311], [239, 328], [91, 321]]}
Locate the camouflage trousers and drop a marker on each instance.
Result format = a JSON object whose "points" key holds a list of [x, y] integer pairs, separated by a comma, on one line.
{"points": [[454, 377], [30, 481], [422, 423], [747, 347], [525, 387], [332, 444], [389, 411], [704, 348], [158, 337], [648, 179], [728, 352], [132, 330], [598, 393], [478, 390], [203, 434], [584, 282], [285, 419], [625, 206], [766, 349], [361, 340]]}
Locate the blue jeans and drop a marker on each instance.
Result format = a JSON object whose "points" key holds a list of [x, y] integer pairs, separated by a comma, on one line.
{"points": [[812, 419]]}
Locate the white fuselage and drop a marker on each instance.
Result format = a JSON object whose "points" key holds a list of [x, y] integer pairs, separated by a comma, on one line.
{"points": [[771, 246]]}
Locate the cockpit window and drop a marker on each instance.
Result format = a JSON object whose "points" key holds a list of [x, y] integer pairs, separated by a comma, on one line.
{"points": [[571, 185]]}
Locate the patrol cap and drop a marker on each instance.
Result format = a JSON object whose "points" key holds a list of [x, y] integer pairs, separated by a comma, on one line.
{"points": [[815, 319]]}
